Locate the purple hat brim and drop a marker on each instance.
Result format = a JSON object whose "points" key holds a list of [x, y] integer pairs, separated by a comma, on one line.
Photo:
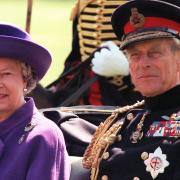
{"points": [[26, 51]]}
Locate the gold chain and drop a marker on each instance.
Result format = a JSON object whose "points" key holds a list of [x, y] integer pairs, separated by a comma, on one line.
{"points": [[138, 133]]}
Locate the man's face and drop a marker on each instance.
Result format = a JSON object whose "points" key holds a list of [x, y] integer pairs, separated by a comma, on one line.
{"points": [[153, 66]]}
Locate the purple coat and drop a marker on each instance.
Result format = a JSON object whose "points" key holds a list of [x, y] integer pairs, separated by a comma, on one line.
{"points": [[32, 147]]}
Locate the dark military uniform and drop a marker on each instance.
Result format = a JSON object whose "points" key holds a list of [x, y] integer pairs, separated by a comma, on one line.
{"points": [[92, 27], [140, 142], [125, 159]]}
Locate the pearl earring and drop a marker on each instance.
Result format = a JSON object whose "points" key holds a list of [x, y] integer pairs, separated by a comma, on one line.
{"points": [[25, 90]]}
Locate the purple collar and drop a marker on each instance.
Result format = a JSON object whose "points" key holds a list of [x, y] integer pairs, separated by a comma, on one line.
{"points": [[21, 116]]}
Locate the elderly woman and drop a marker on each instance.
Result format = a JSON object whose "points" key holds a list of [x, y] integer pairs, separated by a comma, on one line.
{"points": [[31, 146]]}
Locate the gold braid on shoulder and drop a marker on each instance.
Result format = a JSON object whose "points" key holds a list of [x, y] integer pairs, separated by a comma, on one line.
{"points": [[104, 136]]}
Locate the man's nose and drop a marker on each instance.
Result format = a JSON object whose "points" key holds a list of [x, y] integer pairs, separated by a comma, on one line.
{"points": [[1, 82], [144, 60]]}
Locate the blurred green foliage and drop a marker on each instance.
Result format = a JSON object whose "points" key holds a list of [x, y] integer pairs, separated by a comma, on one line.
{"points": [[50, 26]]}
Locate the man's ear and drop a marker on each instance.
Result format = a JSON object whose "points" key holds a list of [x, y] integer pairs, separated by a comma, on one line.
{"points": [[178, 65], [178, 60]]}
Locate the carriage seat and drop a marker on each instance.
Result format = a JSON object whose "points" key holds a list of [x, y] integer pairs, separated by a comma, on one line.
{"points": [[77, 170]]}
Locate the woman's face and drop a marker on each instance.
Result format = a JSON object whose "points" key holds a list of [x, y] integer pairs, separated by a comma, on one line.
{"points": [[11, 87]]}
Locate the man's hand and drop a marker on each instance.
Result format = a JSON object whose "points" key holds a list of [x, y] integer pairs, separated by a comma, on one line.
{"points": [[110, 61]]}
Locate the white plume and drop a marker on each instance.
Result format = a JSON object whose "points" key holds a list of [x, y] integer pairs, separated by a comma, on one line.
{"points": [[110, 61]]}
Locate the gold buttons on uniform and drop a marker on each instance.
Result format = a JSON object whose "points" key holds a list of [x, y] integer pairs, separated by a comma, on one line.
{"points": [[99, 11], [136, 178], [119, 137], [106, 155], [98, 18], [105, 177], [101, 2], [98, 26], [130, 116], [144, 155]]}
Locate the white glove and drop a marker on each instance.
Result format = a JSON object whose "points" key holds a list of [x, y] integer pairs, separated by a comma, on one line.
{"points": [[110, 62]]}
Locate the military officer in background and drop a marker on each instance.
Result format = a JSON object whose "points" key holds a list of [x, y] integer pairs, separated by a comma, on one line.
{"points": [[92, 28], [142, 141]]}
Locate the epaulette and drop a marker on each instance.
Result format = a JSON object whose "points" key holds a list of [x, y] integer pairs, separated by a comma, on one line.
{"points": [[104, 136], [77, 7]]}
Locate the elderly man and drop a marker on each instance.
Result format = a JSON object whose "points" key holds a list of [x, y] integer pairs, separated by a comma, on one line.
{"points": [[142, 141]]}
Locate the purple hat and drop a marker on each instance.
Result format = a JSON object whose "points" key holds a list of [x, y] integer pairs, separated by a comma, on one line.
{"points": [[16, 43]]}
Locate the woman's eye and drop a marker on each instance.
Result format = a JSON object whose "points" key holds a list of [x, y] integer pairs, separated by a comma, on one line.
{"points": [[7, 73]]}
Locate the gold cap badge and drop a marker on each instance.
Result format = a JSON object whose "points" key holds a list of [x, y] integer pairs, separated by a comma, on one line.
{"points": [[136, 19]]}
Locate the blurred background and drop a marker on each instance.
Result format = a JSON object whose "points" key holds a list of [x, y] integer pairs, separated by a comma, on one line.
{"points": [[50, 26]]}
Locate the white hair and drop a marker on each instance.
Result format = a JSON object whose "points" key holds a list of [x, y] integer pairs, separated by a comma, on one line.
{"points": [[28, 76]]}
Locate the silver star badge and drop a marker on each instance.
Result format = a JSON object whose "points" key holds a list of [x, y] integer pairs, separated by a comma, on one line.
{"points": [[156, 163]]}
